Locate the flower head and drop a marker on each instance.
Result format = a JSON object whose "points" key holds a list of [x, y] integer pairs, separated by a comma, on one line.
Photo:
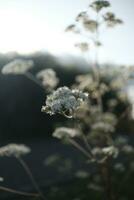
{"points": [[99, 5], [83, 46], [48, 78], [14, 150], [64, 132], [18, 66], [64, 100]]}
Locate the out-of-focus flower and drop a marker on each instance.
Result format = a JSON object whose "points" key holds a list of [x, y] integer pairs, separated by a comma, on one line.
{"points": [[64, 100], [99, 5], [110, 151], [14, 150], [1, 179], [83, 46], [18, 66], [90, 25], [82, 16], [64, 132], [128, 149], [48, 78], [111, 19], [72, 28], [102, 127]]}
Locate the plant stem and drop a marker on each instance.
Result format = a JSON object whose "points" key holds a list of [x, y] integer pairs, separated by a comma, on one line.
{"points": [[30, 175], [18, 192], [80, 148], [106, 177], [32, 78]]}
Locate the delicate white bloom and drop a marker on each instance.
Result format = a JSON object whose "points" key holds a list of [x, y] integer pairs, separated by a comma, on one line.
{"points": [[102, 127], [64, 100], [18, 66], [48, 78], [97, 151], [64, 132], [110, 151], [14, 150]]}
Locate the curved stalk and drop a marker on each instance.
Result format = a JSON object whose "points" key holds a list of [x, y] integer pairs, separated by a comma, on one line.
{"points": [[32, 78], [18, 192], [30, 175]]}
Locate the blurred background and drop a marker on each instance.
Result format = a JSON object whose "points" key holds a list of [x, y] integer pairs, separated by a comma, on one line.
{"points": [[34, 29]]}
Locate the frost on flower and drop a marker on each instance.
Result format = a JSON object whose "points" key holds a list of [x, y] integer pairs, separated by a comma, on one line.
{"points": [[64, 100], [18, 66], [64, 132], [48, 78], [14, 150]]}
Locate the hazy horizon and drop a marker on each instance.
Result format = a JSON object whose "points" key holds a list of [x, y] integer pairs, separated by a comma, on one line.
{"points": [[38, 25]]}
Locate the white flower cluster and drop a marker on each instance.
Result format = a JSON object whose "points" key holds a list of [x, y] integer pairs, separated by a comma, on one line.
{"points": [[110, 151], [99, 4], [48, 78], [64, 100], [14, 150], [64, 132], [18, 66]]}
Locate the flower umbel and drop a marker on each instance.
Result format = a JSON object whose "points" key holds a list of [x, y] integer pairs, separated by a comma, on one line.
{"points": [[64, 101], [14, 150], [48, 78], [17, 66], [64, 132]]}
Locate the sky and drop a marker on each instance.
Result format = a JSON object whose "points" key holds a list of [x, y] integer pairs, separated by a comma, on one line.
{"points": [[32, 25]]}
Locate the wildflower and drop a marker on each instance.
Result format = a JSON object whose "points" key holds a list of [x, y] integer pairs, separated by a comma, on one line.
{"points": [[111, 19], [14, 150], [102, 127], [64, 132], [110, 151], [83, 46], [82, 16], [64, 100], [48, 78], [18, 66], [72, 28], [90, 25], [99, 5]]}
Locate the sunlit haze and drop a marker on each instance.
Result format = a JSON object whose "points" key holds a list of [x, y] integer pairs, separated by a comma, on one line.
{"points": [[33, 25]]}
